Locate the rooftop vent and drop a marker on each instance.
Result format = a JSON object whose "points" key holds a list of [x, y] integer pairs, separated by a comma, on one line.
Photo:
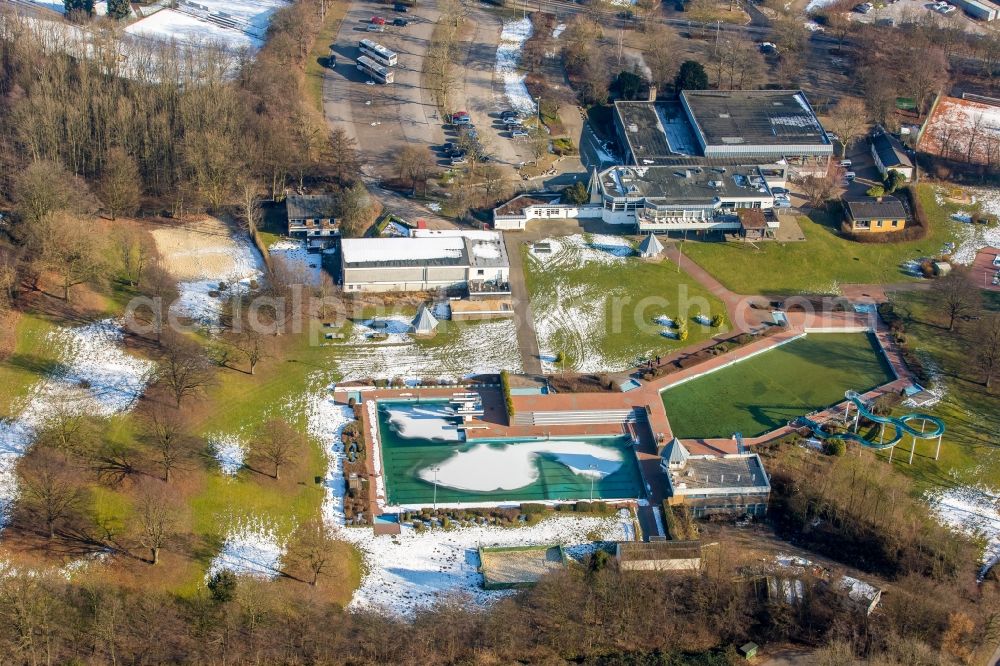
{"points": [[723, 115], [632, 127]]}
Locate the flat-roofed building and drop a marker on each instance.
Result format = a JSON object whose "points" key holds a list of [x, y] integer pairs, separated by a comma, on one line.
{"points": [[475, 260], [777, 129], [727, 484], [658, 555], [693, 198]]}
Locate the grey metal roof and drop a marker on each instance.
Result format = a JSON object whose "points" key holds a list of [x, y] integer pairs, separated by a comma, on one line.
{"points": [[720, 473], [890, 151], [424, 322], [754, 117], [312, 206], [694, 185], [869, 208]]}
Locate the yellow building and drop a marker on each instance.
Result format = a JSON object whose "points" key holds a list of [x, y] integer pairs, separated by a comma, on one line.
{"points": [[874, 215]]}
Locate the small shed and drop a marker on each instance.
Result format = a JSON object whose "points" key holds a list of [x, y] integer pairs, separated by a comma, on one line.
{"points": [[424, 323], [650, 247], [749, 650]]}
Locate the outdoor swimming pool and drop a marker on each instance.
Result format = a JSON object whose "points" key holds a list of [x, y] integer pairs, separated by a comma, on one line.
{"points": [[420, 449], [766, 391]]}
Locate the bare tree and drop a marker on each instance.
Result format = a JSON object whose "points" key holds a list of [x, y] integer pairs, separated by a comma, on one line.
{"points": [[820, 188], [250, 208], [185, 370], [358, 210], [955, 295], [278, 444], [167, 434], [134, 253], [161, 289], [75, 255], [50, 492], [849, 119], [156, 517], [45, 187], [313, 547], [252, 343], [987, 346], [68, 430], [119, 186]]}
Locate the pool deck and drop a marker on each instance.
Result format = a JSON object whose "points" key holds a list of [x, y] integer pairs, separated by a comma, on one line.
{"points": [[493, 423]]}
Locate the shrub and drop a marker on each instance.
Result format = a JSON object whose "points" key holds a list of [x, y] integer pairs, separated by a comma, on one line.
{"points": [[718, 321], [682, 332], [507, 399], [583, 507], [222, 585], [834, 447], [530, 508], [876, 191]]}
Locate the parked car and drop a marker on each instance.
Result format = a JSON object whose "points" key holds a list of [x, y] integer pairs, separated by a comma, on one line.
{"points": [[846, 163], [468, 131], [947, 9], [864, 8], [375, 27], [331, 61], [996, 260], [377, 20], [850, 175], [400, 22], [996, 278], [461, 118], [459, 158], [509, 115], [402, 9], [782, 203], [518, 134], [779, 191], [450, 148], [768, 47]]}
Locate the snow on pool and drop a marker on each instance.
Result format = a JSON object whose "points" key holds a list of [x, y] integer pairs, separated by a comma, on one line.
{"points": [[94, 376], [974, 511], [512, 39], [251, 548], [486, 467], [416, 569], [230, 452], [423, 421]]}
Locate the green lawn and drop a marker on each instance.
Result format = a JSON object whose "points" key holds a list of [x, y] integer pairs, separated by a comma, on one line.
{"points": [[970, 450], [824, 260], [766, 391], [600, 315], [32, 358]]}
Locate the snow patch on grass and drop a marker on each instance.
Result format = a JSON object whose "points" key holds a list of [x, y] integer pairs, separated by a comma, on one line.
{"points": [[295, 257], [230, 451], [579, 249], [512, 39], [93, 376], [416, 569], [252, 547], [325, 420], [972, 510]]}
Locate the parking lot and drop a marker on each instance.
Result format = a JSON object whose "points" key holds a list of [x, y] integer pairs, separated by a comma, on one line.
{"points": [[383, 118], [915, 11]]}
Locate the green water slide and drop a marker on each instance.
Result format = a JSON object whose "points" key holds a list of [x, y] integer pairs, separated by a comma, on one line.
{"points": [[901, 427]]}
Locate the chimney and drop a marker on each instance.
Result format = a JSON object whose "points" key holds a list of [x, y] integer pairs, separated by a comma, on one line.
{"points": [[652, 93]]}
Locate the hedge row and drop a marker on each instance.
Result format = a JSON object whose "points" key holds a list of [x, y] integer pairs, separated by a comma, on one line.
{"points": [[507, 399]]}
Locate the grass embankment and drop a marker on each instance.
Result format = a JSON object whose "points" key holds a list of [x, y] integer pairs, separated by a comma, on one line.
{"points": [[603, 313], [970, 447], [824, 260], [30, 358], [316, 61], [767, 391]]}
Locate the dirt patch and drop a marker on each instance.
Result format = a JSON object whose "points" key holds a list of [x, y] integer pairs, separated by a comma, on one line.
{"points": [[200, 249]]}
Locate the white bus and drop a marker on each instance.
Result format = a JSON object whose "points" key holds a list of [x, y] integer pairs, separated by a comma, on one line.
{"points": [[377, 52], [374, 70]]}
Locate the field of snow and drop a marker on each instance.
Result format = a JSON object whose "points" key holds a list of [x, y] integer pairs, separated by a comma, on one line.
{"points": [[233, 24], [298, 261], [974, 511], [202, 257], [458, 350], [415, 569], [512, 39], [971, 238], [251, 548], [325, 421], [572, 317], [94, 376]]}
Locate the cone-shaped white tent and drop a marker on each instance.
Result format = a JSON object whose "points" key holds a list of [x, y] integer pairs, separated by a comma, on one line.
{"points": [[650, 247], [424, 323]]}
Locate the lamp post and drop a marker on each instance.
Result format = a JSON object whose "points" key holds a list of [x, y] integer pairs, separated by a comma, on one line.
{"points": [[436, 487], [593, 475]]}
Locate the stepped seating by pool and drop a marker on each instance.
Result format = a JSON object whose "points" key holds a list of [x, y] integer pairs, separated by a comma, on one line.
{"points": [[221, 19], [580, 417]]}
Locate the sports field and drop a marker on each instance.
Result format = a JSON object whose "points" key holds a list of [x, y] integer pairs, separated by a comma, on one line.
{"points": [[416, 457], [766, 391]]}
